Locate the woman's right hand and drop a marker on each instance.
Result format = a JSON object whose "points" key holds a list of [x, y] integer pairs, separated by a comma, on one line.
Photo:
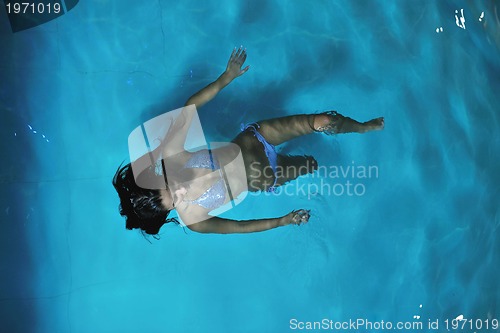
{"points": [[299, 216], [236, 61]]}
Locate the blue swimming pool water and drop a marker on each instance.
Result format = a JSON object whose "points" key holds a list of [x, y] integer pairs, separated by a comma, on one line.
{"points": [[422, 240]]}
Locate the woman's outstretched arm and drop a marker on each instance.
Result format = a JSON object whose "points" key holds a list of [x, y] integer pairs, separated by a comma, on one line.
{"points": [[174, 143], [233, 70], [217, 225]]}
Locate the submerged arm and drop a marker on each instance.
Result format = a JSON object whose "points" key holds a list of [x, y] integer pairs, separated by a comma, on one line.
{"points": [[233, 70], [217, 225], [174, 143]]}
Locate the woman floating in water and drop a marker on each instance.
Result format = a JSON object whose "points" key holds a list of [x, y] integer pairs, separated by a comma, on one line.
{"points": [[148, 209]]}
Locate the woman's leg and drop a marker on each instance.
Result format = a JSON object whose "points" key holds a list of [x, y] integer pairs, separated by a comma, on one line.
{"points": [[290, 167], [332, 122], [278, 130], [260, 176]]}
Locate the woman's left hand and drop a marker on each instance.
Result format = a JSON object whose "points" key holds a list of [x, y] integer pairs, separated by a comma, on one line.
{"points": [[236, 61], [298, 217]]}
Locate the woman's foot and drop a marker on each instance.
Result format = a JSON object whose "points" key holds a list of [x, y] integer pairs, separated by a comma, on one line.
{"points": [[376, 124]]}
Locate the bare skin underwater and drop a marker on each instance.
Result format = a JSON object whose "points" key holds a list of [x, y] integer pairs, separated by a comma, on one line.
{"points": [[148, 209], [275, 131]]}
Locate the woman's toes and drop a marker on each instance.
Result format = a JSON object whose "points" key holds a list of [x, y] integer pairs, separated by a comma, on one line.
{"points": [[380, 122]]}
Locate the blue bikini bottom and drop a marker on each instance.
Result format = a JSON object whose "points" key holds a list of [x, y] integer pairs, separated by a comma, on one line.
{"points": [[269, 149]]}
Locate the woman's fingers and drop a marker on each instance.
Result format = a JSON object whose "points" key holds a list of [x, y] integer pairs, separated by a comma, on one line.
{"points": [[300, 216], [238, 55], [233, 53]]}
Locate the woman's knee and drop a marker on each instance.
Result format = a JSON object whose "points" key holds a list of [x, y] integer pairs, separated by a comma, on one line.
{"points": [[321, 120]]}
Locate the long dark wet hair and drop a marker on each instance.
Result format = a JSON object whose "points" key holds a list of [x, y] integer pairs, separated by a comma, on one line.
{"points": [[141, 207]]}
